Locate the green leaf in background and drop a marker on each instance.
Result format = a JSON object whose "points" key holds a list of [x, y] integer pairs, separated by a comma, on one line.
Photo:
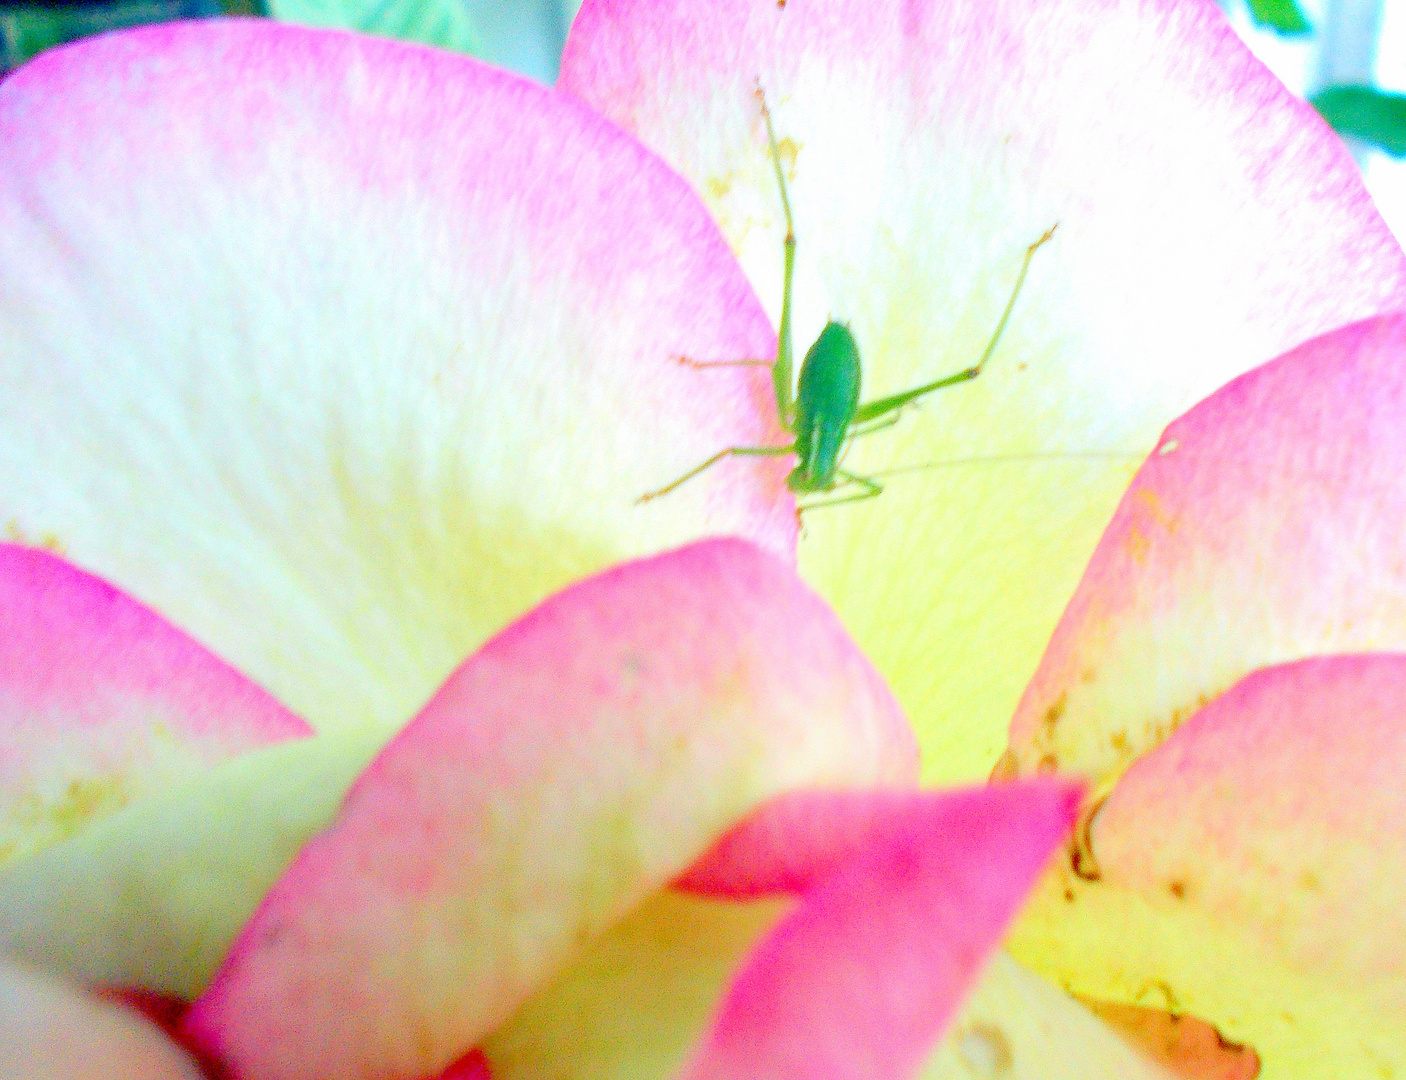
{"points": [[1285, 16], [443, 23], [27, 31], [1365, 113]]}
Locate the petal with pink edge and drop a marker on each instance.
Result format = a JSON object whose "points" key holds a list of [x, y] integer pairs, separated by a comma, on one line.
{"points": [[342, 353], [1251, 870], [580, 761], [1206, 223], [637, 999], [52, 1032], [103, 702], [631, 1007], [903, 898], [1266, 528]]}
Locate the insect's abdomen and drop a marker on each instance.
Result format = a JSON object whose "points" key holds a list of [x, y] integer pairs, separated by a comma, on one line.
{"points": [[826, 398]]}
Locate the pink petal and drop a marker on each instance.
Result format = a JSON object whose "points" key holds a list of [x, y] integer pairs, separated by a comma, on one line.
{"points": [[1208, 221], [472, 1066], [342, 353], [1266, 528], [904, 897], [1250, 871], [103, 702], [1278, 813], [639, 999], [586, 756], [1264, 532]]}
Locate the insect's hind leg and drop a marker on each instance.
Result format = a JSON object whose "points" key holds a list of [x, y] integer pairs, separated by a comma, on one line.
{"points": [[860, 430], [688, 361], [731, 451], [1010, 304], [883, 406], [867, 429], [872, 489]]}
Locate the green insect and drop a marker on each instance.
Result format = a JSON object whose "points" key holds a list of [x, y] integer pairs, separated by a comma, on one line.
{"points": [[825, 413]]}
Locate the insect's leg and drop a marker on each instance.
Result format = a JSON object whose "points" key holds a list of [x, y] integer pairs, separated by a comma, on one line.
{"points": [[1010, 304], [740, 451], [879, 408], [690, 362], [869, 429], [875, 425], [872, 489], [781, 368]]}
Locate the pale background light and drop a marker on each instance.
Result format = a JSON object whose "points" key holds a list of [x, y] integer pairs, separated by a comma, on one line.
{"points": [[1354, 41]]}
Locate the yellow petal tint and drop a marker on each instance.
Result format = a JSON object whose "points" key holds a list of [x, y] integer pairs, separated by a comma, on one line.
{"points": [[1018, 1026], [1207, 221]]}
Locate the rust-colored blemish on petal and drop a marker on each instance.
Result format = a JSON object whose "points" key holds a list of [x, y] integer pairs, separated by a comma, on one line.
{"points": [[985, 1051], [1187, 1045], [1137, 545], [1007, 768], [1081, 848]]}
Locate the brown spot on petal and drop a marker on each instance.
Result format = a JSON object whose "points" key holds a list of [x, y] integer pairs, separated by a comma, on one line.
{"points": [[1187, 1045], [1149, 502], [985, 1051], [1081, 848], [1055, 711], [1007, 768], [1137, 545]]}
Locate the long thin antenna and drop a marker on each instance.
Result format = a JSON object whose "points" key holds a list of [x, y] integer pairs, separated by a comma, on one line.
{"points": [[1000, 459]]}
